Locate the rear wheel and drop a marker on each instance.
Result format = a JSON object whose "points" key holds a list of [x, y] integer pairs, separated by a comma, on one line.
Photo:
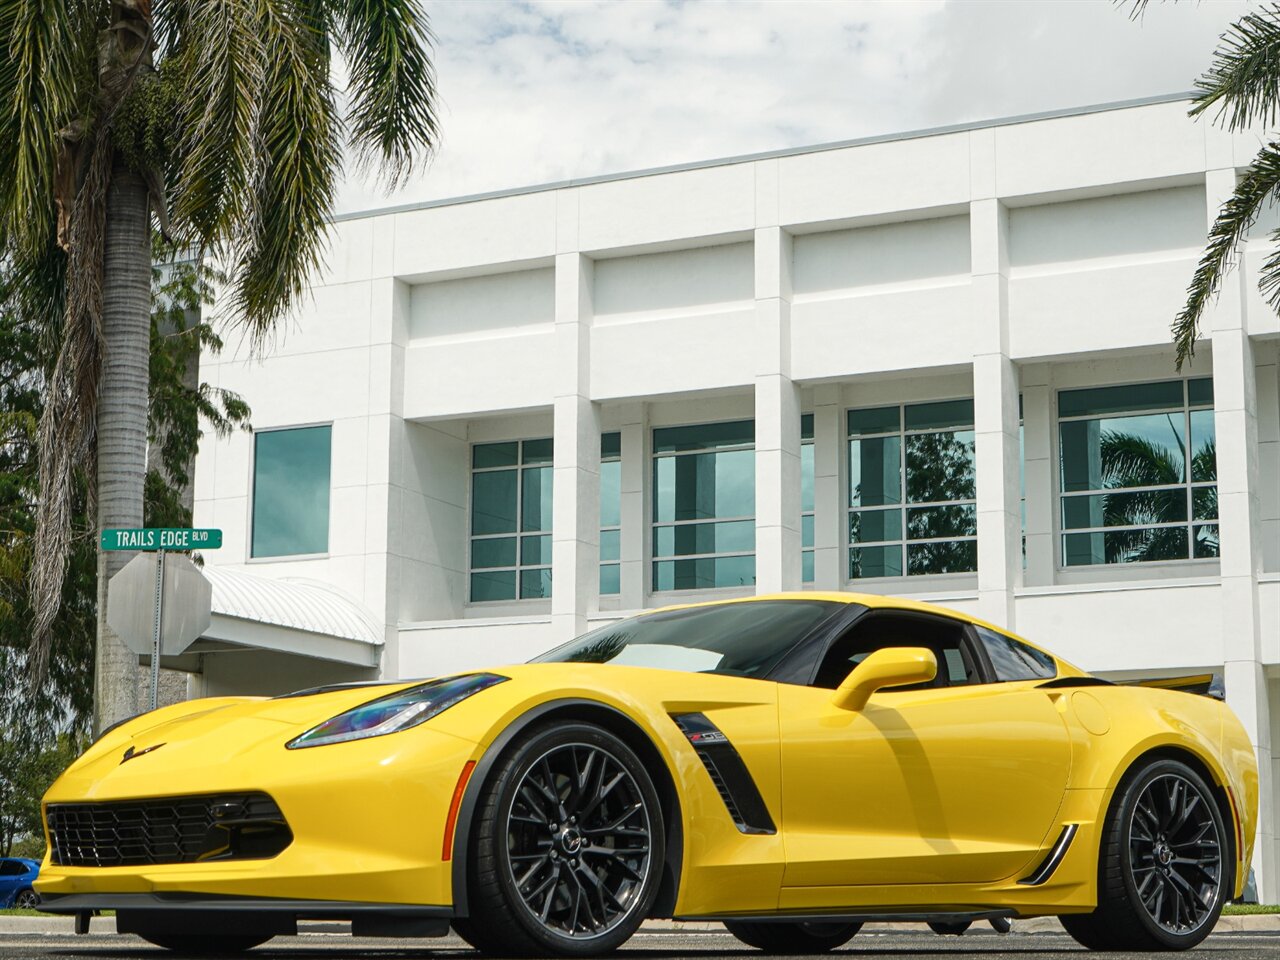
{"points": [[26, 899], [1164, 869], [205, 945], [787, 937], [568, 847]]}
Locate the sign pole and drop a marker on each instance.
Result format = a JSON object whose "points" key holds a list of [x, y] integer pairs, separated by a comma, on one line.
{"points": [[155, 637]]}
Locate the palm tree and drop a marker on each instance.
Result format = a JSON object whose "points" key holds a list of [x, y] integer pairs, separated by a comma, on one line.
{"points": [[1242, 89], [220, 120]]}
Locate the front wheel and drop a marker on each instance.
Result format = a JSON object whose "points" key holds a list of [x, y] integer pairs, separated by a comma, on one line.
{"points": [[788, 937], [26, 899], [568, 847], [1164, 869]]}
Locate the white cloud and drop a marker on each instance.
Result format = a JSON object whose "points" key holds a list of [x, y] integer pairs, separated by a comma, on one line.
{"points": [[543, 91]]}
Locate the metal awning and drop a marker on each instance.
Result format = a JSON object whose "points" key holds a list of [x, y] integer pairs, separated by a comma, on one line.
{"points": [[300, 617]]}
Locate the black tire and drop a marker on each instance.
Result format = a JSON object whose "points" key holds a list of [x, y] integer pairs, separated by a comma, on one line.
{"points": [[26, 899], [1165, 866], [950, 928], [567, 847], [206, 945], [793, 938]]}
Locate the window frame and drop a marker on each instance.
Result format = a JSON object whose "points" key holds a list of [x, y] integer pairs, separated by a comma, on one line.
{"points": [[602, 563], [981, 644], [905, 504], [970, 644], [517, 534], [812, 513], [253, 495], [654, 523], [1188, 486]]}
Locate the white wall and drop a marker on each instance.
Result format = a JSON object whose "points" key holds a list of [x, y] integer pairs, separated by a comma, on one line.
{"points": [[1108, 272]]}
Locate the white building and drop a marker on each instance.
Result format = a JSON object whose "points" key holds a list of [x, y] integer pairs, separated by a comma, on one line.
{"points": [[780, 357]]}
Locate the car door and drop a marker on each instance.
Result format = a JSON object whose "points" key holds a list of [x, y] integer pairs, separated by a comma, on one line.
{"points": [[959, 781], [12, 873]]}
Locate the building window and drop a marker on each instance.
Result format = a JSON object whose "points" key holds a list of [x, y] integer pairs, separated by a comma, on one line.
{"points": [[912, 506], [806, 498], [1138, 473], [291, 492], [704, 504], [610, 512], [511, 520]]}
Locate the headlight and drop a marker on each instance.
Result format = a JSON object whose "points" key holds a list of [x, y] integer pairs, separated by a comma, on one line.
{"points": [[399, 711]]}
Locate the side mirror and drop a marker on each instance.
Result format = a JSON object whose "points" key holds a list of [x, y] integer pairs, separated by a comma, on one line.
{"points": [[887, 667]]}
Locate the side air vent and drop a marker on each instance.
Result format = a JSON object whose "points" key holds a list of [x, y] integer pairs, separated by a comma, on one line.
{"points": [[728, 773], [1050, 863]]}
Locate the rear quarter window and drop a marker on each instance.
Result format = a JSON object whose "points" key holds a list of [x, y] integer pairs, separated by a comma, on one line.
{"points": [[1012, 660]]}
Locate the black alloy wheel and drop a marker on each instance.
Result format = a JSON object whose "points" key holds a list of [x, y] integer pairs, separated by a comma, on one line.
{"points": [[1175, 853], [793, 937], [569, 847], [1165, 867]]}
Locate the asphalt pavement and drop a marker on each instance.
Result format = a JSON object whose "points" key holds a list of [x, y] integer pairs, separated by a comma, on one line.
{"points": [[647, 945]]}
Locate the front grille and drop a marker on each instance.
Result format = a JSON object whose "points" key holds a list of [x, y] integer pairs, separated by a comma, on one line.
{"points": [[241, 826]]}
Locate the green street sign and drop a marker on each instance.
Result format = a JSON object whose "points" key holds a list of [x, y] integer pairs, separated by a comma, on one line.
{"points": [[161, 538]]}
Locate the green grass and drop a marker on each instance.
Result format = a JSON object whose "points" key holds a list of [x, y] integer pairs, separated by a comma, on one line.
{"points": [[14, 912], [1248, 909]]}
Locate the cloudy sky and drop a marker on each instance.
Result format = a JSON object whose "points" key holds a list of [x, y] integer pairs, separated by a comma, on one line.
{"points": [[541, 91]]}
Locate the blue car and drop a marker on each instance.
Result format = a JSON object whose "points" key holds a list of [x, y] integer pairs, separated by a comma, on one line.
{"points": [[17, 874]]}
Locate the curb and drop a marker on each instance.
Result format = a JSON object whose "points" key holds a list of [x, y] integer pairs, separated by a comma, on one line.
{"points": [[62, 926]]}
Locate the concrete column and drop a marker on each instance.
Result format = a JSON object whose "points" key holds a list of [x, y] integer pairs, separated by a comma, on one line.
{"points": [[777, 419], [995, 412], [384, 485], [1037, 420], [633, 574], [1239, 530], [575, 523], [830, 565]]}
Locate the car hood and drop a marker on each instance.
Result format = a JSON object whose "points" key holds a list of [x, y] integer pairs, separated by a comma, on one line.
{"points": [[207, 740]]}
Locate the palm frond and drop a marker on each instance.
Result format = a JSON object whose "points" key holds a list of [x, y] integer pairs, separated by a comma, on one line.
{"points": [[221, 64], [68, 423], [1257, 186], [300, 153], [1132, 461], [1243, 81], [45, 75], [392, 87]]}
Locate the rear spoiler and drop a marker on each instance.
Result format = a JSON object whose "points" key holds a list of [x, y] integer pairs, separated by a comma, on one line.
{"points": [[1201, 684]]}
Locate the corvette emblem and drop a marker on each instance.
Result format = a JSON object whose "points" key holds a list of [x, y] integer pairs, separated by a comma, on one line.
{"points": [[131, 753]]}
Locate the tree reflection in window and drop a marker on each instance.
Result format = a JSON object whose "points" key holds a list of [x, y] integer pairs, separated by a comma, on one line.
{"points": [[1130, 494], [912, 490]]}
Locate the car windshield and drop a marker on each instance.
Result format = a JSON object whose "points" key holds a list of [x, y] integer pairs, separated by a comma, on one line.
{"points": [[738, 639]]}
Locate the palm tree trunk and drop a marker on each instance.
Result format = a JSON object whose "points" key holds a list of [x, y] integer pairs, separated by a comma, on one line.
{"points": [[122, 419]]}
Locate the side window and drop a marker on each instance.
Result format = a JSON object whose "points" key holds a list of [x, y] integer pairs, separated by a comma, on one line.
{"points": [[1012, 660], [11, 868], [879, 630]]}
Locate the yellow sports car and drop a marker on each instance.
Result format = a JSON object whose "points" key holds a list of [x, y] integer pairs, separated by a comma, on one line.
{"points": [[791, 765]]}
